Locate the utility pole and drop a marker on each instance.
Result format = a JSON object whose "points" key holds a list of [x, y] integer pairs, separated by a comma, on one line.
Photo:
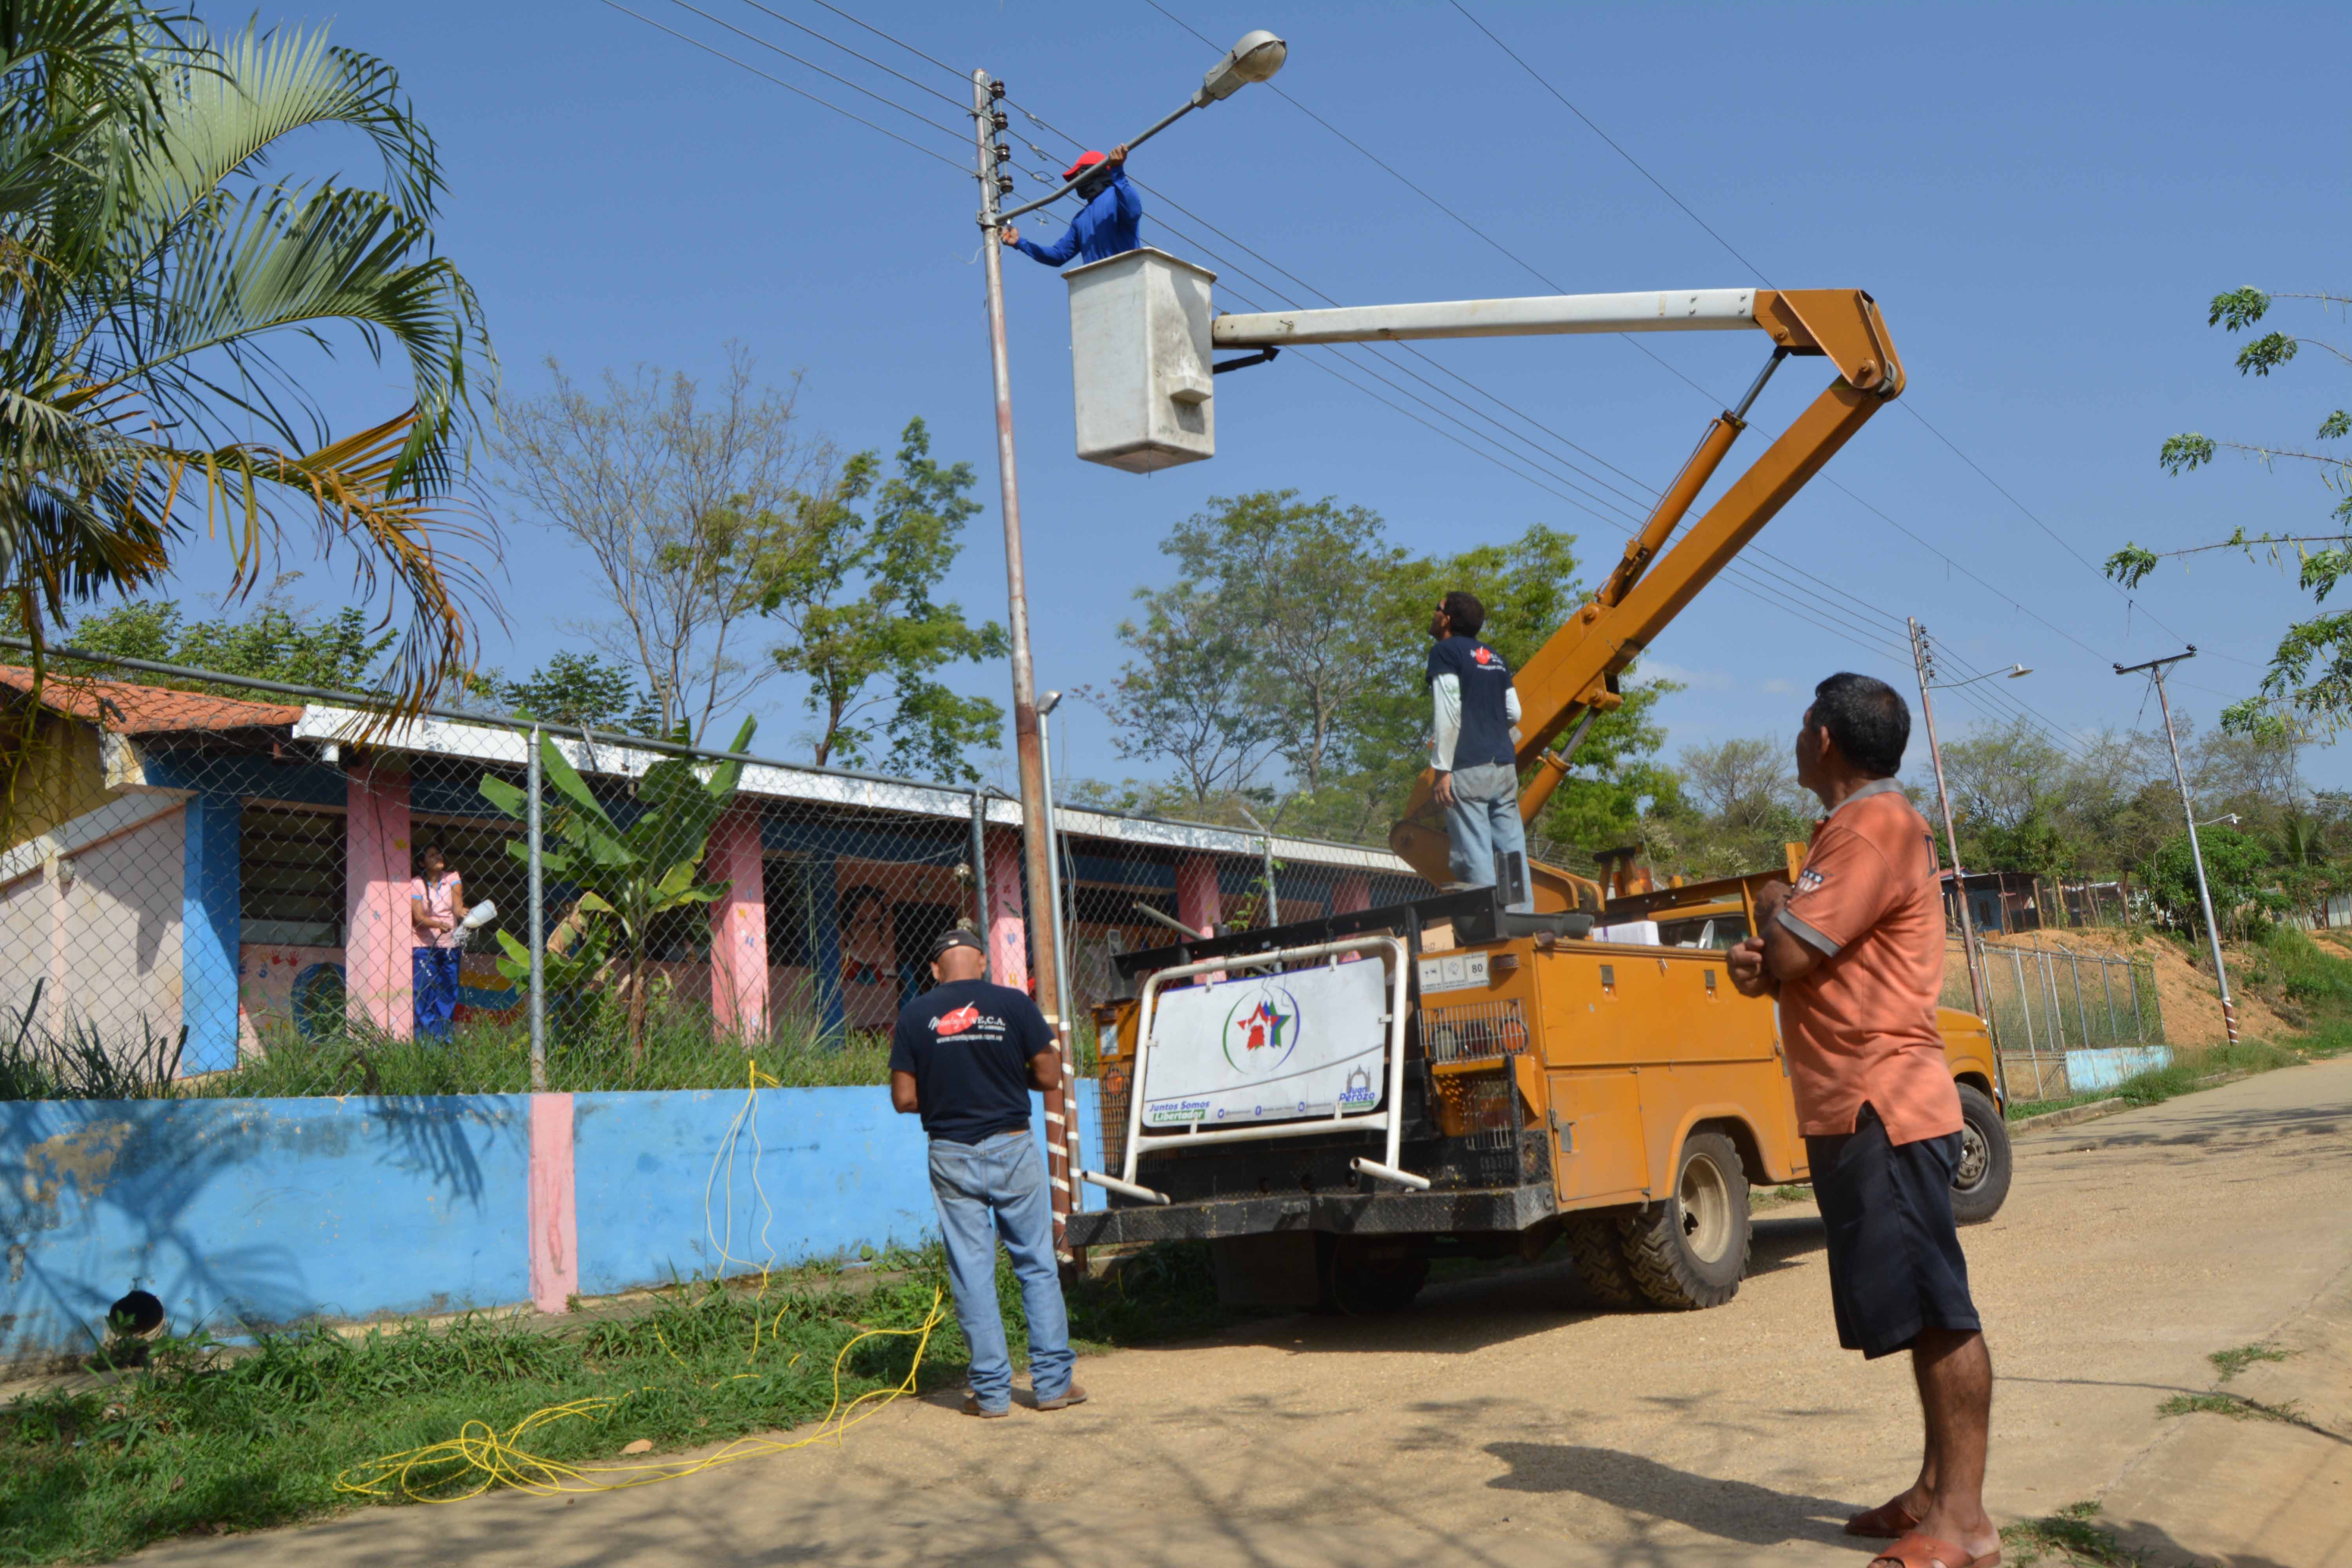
{"points": [[1036, 828], [2156, 668], [1924, 661]]}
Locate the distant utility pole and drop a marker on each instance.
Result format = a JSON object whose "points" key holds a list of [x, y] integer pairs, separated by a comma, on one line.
{"points": [[1924, 661], [1036, 824], [2156, 668]]}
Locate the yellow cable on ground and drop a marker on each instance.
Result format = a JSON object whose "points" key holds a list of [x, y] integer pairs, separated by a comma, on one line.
{"points": [[498, 1458]]}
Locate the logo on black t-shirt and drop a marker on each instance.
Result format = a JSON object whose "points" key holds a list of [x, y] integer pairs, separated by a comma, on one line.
{"points": [[966, 1017]]}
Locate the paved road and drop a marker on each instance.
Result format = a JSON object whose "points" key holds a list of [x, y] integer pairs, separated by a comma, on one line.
{"points": [[1497, 1423]]}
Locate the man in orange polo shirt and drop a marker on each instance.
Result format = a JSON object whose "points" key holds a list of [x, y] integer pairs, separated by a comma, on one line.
{"points": [[1855, 953]]}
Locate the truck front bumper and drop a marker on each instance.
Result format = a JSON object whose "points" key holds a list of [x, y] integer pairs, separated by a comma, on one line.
{"points": [[1436, 1213]]}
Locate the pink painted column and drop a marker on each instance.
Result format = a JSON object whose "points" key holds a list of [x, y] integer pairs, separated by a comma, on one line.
{"points": [[1008, 933], [1352, 891], [739, 928], [554, 1214], [1197, 903], [377, 937]]}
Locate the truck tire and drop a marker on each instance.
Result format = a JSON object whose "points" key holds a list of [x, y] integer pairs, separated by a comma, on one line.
{"points": [[1690, 1250], [1599, 1254], [1980, 1185]]}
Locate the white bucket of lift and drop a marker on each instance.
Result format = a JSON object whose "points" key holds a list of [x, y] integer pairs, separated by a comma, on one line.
{"points": [[1139, 360]]}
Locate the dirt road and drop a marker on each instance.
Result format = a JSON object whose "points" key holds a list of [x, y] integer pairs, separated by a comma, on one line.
{"points": [[1500, 1422]]}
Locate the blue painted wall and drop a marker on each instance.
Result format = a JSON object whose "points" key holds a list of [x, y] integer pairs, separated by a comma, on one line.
{"points": [[209, 928], [241, 1214], [2087, 1071]]}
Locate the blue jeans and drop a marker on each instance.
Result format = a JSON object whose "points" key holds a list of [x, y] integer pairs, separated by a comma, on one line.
{"points": [[1483, 822], [984, 1189], [433, 975]]}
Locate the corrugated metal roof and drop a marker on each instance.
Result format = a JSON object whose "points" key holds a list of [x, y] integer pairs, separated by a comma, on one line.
{"points": [[125, 708]]}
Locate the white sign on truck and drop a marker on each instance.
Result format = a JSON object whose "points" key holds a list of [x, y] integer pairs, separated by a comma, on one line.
{"points": [[1268, 1047]]}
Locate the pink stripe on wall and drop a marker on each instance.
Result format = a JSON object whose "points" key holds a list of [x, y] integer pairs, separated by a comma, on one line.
{"points": [[554, 1218]]}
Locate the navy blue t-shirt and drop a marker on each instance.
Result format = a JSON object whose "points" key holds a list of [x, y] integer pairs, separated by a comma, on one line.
{"points": [[968, 1043], [1486, 683]]}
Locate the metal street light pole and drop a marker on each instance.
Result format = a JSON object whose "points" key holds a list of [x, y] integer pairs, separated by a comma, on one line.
{"points": [[1923, 661], [1037, 831], [2156, 668]]}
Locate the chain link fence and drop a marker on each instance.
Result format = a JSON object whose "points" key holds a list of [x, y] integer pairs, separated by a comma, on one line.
{"points": [[2063, 1021], [253, 890]]}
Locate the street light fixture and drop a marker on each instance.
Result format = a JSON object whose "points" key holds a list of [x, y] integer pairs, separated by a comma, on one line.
{"points": [[1255, 58], [2013, 672], [2229, 821]]}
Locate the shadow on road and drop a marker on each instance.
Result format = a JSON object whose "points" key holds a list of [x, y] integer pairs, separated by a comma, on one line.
{"points": [[1731, 1511]]}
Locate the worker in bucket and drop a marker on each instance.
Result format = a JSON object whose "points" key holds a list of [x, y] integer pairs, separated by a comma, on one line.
{"points": [[1105, 226], [1476, 754], [965, 1056], [1855, 954]]}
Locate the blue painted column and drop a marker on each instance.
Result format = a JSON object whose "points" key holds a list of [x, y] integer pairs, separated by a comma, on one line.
{"points": [[822, 890], [209, 935]]}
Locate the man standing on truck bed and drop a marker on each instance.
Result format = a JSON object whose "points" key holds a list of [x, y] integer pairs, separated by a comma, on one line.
{"points": [[1856, 955], [1476, 758], [965, 1056]]}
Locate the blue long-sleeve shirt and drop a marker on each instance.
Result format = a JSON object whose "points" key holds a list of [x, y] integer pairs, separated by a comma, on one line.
{"points": [[1105, 226]]}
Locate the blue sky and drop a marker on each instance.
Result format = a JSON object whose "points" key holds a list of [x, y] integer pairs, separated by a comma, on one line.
{"points": [[2041, 198]]}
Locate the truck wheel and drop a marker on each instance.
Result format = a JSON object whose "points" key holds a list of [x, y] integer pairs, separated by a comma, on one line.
{"points": [[1599, 1254], [1691, 1250], [1980, 1185], [1368, 1281]]}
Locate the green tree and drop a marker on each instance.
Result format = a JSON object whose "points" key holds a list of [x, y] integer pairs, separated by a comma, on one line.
{"points": [[628, 877], [856, 593], [2309, 684], [276, 642], [154, 273], [2238, 872], [581, 689]]}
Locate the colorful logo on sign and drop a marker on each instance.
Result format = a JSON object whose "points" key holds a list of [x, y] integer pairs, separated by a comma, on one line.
{"points": [[1262, 1030]]}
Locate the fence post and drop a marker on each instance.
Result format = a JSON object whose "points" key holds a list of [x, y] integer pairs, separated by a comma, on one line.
{"points": [[537, 902], [2139, 1026], [2082, 1014], [2025, 1009], [2107, 989]]}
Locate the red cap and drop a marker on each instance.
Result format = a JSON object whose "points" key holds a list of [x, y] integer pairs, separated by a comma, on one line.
{"points": [[1086, 160]]}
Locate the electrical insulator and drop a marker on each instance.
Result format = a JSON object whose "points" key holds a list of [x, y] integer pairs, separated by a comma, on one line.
{"points": [[995, 89], [999, 120], [1004, 152], [1004, 183]]}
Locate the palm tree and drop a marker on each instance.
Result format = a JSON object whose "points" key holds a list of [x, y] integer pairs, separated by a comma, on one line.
{"points": [[150, 275]]}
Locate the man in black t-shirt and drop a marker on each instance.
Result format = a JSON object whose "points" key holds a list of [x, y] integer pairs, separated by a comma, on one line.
{"points": [[1476, 750], [965, 1056]]}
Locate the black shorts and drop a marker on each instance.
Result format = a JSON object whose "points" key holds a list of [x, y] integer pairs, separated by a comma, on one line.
{"points": [[1895, 1254]]}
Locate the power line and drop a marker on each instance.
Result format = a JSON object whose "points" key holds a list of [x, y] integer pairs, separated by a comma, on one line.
{"points": [[887, 37], [788, 86], [812, 65], [1613, 145], [954, 103]]}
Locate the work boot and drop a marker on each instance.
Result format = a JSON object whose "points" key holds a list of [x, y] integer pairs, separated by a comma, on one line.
{"points": [[973, 1406], [1071, 1396]]}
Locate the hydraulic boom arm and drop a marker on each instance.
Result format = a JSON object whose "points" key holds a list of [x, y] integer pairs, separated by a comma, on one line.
{"points": [[1574, 674]]}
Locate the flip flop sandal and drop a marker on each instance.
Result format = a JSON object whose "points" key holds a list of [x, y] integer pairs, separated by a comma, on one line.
{"points": [[1887, 1521], [1925, 1552]]}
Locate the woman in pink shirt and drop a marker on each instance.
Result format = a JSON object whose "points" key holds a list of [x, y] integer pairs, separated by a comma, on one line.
{"points": [[436, 906]]}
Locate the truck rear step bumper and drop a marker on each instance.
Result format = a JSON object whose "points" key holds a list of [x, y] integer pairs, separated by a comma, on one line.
{"points": [[1440, 1212]]}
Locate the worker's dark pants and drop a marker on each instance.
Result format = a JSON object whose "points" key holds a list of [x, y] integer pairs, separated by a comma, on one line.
{"points": [[433, 977]]}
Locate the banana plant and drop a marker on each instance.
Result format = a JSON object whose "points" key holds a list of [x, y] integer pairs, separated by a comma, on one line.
{"points": [[628, 877]]}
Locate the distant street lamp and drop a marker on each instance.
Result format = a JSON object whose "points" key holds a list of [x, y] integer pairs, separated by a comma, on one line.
{"points": [[1924, 660], [2229, 821], [1258, 57], [2154, 669]]}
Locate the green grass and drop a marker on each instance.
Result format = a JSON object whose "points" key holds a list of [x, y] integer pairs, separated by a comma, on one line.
{"points": [[2234, 1407], [2067, 1537], [205, 1439], [2231, 1362]]}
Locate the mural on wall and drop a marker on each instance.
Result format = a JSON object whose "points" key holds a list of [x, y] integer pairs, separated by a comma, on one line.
{"points": [[302, 990]]}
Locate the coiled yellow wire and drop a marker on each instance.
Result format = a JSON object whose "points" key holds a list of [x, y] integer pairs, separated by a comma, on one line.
{"points": [[493, 1458]]}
